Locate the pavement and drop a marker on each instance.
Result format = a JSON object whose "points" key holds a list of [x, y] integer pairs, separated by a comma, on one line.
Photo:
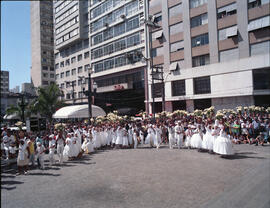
{"points": [[145, 178]]}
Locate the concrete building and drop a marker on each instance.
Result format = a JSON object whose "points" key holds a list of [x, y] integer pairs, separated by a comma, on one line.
{"points": [[15, 89], [4, 82], [213, 52], [42, 43], [106, 37], [28, 88]]}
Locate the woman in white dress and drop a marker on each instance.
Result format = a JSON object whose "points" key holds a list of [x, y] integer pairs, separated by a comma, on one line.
{"points": [[74, 147], [87, 145], [158, 133], [214, 133], [114, 136], [208, 141], [67, 153], [150, 136], [196, 139], [119, 137], [142, 136], [223, 144], [188, 134], [171, 135], [125, 138], [130, 135]]}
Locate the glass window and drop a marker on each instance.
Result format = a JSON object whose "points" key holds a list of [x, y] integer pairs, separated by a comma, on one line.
{"points": [[73, 71], [98, 67], [133, 40], [120, 61], [200, 60], [227, 10], [176, 10], [108, 49], [86, 54], [132, 7], [80, 57], [67, 73], [196, 3], [202, 85], [260, 48], [200, 40], [178, 88], [119, 29], [132, 24], [177, 28], [108, 34], [108, 64], [261, 79], [229, 55], [199, 20], [79, 69], [120, 45]]}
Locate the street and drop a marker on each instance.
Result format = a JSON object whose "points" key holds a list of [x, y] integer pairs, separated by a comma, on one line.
{"points": [[147, 178]]}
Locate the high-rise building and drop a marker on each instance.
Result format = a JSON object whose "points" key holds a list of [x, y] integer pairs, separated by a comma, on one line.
{"points": [[106, 37], [213, 52], [4, 82], [42, 43], [28, 88], [15, 89]]}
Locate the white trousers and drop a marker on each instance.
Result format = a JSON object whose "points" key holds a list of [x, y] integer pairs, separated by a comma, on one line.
{"points": [[179, 140], [41, 161], [60, 150], [171, 141], [51, 156]]}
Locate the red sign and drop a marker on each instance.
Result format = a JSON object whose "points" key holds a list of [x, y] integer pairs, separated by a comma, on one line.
{"points": [[119, 87]]}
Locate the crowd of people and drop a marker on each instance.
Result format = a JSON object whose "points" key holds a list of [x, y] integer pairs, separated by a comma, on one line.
{"points": [[213, 134]]}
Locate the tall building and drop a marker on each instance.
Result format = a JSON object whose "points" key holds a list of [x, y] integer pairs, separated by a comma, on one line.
{"points": [[213, 52], [15, 89], [4, 82], [106, 37], [28, 88], [42, 43]]}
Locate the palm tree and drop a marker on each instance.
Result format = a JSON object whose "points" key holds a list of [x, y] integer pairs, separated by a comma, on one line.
{"points": [[48, 100]]}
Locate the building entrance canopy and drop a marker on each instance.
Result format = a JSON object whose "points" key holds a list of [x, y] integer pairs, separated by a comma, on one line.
{"points": [[78, 111]]}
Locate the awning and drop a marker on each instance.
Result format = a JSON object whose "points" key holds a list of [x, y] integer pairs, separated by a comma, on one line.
{"points": [[159, 34], [231, 32], [173, 66], [10, 117], [78, 111]]}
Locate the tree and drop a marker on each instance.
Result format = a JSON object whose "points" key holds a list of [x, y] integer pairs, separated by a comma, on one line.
{"points": [[48, 100]]}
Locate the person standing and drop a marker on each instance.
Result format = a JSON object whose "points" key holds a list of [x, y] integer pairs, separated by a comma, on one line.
{"points": [[171, 135], [40, 152], [31, 146], [23, 155], [51, 149], [179, 130], [60, 146]]}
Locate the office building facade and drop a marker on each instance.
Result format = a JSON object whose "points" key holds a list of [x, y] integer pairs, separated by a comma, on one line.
{"points": [[213, 52], [42, 43]]}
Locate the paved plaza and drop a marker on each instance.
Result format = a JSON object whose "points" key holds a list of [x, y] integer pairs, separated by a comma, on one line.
{"points": [[147, 178]]}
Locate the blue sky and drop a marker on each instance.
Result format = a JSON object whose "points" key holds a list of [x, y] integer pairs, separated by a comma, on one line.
{"points": [[16, 41]]}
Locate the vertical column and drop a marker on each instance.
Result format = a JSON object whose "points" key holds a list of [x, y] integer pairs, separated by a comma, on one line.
{"points": [[166, 35], [189, 93], [212, 31], [242, 20], [168, 106], [187, 38]]}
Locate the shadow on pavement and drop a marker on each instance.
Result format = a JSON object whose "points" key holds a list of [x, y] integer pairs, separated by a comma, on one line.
{"points": [[242, 155]]}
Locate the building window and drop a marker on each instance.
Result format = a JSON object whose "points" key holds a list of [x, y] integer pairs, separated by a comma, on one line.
{"points": [[177, 28], [98, 67], [73, 59], [45, 75], [178, 88], [259, 23], [227, 11], [73, 72], [68, 96], [62, 64], [79, 69], [44, 68], [62, 86], [229, 55], [80, 57], [67, 73], [86, 54], [196, 3], [56, 66], [228, 32], [261, 79], [67, 62], [257, 3], [45, 82], [51, 75], [57, 76], [202, 85], [158, 17], [260, 48], [202, 104], [62, 75], [51, 69], [200, 40], [199, 20], [200, 60], [86, 67], [177, 46]]}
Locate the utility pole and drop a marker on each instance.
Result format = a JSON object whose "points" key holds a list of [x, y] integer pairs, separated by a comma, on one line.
{"points": [[89, 96]]}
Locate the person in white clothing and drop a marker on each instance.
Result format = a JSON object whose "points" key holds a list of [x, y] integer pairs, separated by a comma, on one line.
{"points": [[60, 146], [171, 135], [179, 134], [158, 132], [51, 149], [40, 152]]}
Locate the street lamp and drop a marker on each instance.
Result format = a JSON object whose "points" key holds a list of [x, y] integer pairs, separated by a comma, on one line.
{"points": [[90, 71]]}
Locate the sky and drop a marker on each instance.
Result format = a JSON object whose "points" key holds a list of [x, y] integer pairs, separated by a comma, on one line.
{"points": [[16, 41]]}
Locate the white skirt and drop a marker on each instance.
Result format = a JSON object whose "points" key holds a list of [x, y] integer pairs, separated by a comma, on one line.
{"points": [[208, 141], [97, 142], [150, 139], [125, 141], [188, 141], [119, 140], [196, 141], [172, 138], [68, 151], [223, 146]]}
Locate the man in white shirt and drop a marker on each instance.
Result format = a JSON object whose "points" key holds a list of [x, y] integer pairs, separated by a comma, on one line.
{"points": [[179, 134], [51, 149], [60, 147]]}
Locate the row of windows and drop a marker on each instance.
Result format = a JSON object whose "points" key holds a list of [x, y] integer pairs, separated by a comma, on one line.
{"points": [[257, 3], [67, 36], [118, 61], [135, 77], [200, 40], [73, 72], [116, 46], [67, 25], [72, 60], [127, 10], [63, 5], [67, 13], [201, 85], [116, 30], [46, 75], [196, 3], [104, 7]]}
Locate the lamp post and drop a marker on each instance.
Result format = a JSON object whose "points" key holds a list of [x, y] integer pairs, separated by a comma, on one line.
{"points": [[89, 94], [72, 95]]}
